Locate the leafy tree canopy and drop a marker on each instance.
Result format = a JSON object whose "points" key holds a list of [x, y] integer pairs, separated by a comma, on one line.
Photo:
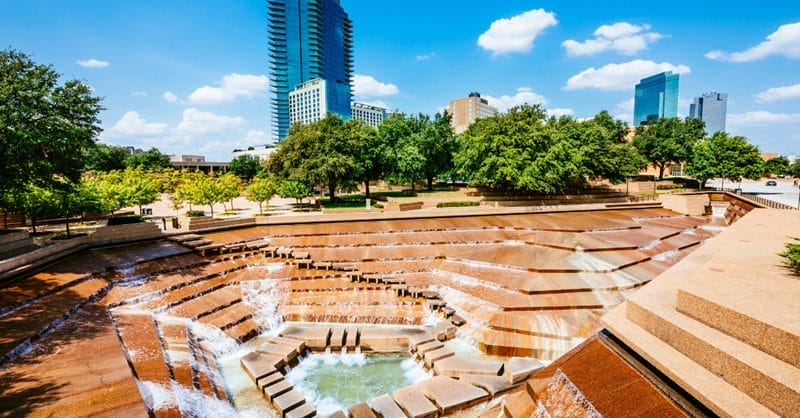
{"points": [[668, 140], [245, 167], [726, 157], [152, 159]]}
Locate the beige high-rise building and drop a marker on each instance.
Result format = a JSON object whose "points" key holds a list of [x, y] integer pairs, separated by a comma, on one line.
{"points": [[467, 109]]}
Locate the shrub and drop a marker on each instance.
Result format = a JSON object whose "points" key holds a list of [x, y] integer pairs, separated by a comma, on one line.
{"points": [[193, 213], [792, 255], [377, 206], [124, 220], [457, 204]]}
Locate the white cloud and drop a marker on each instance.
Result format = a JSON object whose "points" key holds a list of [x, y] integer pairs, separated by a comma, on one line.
{"points": [[139, 94], [170, 97], [368, 86], [132, 124], [761, 117], [774, 94], [560, 111], [195, 122], [230, 88], [93, 63], [626, 106], [622, 37], [516, 34], [622, 76], [523, 95], [426, 57], [784, 41], [254, 136]]}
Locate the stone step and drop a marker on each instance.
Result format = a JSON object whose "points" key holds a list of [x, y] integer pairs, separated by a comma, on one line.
{"points": [[456, 366], [287, 402], [431, 357], [259, 366], [517, 369], [176, 346], [746, 324], [288, 352], [519, 405], [204, 304], [305, 410], [228, 316], [276, 389], [336, 340], [494, 385], [449, 394], [766, 379], [315, 338], [386, 407], [509, 344], [361, 410], [414, 403], [244, 330]]}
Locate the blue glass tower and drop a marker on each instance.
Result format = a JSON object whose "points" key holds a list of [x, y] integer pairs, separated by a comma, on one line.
{"points": [[712, 108], [655, 97], [309, 39]]}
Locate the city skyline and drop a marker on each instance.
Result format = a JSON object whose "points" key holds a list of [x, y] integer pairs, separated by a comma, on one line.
{"points": [[193, 77]]}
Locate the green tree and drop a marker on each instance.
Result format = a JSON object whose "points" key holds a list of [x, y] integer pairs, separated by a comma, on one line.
{"points": [[230, 187], [726, 157], [151, 160], [437, 143], [245, 167], [45, 127], [262, 190], [668, 140], [776, 166], [105, 157], [294, 189], [319, 153], [794, 168]]}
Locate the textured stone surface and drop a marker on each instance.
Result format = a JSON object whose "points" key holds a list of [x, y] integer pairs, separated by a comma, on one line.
{"points": [[386, 407], [258, 365], [495, 385], [277, 389], [449, 394], [361, 410], [288, 401], [517, 369], [414, 403], [456, 366]]}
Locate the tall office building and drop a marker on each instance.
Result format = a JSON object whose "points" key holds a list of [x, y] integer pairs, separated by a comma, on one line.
{"points": [[466, 110], [656, 97], [370, 114], [309, 39], [712, 108], [308, 102]]}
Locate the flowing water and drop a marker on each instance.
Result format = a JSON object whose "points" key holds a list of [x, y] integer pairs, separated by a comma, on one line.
{"points": [[333, 382]]}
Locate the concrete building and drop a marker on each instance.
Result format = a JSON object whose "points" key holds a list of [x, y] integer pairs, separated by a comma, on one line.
{"points": [[260, 153], [197, 162], [712, 108], [370, 114], [309, 39], [655, 97], [308, 101], [466, 110]]}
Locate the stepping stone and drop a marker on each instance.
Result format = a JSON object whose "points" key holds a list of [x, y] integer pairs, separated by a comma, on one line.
{"points": [[354, 276], [434, 304], [258, 365], [429, 294], [269, 380], [305, 410], [210, 247], [414, 403], [184, 238], [495, 385], [316, 338], [343, 266], [456, 366], [304, 263], [431, 357], [448, 312], [283, 252], [450, 394], [361, 410], [277, 389], [337, 414], [386, 407], [323, 265], [351, 339], [457, 320], [299, 345], [285, 351], [518, 369], [428, 346], [301, 255], [196, 243], [418, 338], [337, 338], [288, 401]]}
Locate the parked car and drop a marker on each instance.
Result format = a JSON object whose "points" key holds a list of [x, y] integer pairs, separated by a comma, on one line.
{"points": [[772, 183]]}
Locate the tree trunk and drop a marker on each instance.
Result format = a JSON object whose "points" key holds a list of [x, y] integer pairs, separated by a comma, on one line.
{"points": [[33, 224], [261, 207], [332, 191], [703, 183], [231, 203], [412, 185], [661, 168], [67, 223], [430, 183], [366, 189], [212, 209], [5, 219]]}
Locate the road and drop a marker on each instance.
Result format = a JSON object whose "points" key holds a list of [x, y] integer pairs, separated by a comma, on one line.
{"points": [[785, 192]]}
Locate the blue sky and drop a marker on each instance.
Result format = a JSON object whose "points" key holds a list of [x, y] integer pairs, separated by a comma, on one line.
{"points": [[190, 77]]}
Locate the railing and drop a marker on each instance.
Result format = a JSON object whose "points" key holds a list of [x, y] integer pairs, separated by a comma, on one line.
{"points": [[758, 199]]}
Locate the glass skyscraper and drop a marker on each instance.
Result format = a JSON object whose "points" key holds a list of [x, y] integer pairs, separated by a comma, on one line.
{"points": [[309, 39], [712, 108], [655, 97]]}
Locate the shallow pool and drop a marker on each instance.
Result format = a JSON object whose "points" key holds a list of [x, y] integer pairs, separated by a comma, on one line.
{"points": [[336, 381]]}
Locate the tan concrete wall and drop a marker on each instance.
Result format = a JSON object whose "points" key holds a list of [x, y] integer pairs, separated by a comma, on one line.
{"points": [[687, 204]]}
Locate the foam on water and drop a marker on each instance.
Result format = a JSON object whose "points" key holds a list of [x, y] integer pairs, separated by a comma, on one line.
{"points": [[267, 297], [667, 255], [155, 396]]}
